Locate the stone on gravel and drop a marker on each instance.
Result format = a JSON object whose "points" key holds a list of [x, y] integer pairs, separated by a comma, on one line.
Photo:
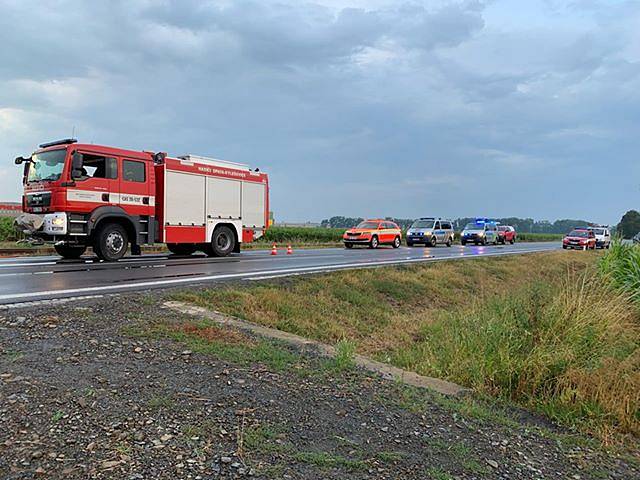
{"points": [[106, 465]]}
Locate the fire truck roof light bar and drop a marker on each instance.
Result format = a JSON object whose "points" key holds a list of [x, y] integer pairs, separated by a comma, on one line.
{"points": [[214, 161], [64, 141]]}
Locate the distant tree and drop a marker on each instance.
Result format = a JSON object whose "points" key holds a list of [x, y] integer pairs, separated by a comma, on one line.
{"points": [[566, 225], [403, 223], [629, 224], [341, 222]]}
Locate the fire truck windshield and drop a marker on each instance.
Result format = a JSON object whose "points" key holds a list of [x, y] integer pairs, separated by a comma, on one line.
{"points": [[46, 166]]}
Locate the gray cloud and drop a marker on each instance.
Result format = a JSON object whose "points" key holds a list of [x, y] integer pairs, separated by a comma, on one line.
{"points": [[399, 109]]}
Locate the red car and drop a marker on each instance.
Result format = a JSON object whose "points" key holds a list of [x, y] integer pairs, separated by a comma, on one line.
{"points": [[506, 233], [580, 238]]}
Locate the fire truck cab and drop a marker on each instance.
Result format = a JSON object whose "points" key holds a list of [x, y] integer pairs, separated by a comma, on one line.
{"points": [[80, 195]]}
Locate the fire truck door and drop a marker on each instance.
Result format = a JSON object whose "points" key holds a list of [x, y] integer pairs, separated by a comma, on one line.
{"points": [[97, 185], [135, 196]]}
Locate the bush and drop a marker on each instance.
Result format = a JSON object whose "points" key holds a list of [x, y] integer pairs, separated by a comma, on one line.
{"points": [[8, 232], [539, 237], [303, 235]]}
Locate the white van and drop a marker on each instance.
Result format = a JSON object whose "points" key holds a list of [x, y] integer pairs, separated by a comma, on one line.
{"points": [[603, 235]]}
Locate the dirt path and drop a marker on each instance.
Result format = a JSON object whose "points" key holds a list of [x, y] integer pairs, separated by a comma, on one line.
{"points": [[98, 390]]}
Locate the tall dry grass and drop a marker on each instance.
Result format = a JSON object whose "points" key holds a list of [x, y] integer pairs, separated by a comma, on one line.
{"points": [[571, 350]]}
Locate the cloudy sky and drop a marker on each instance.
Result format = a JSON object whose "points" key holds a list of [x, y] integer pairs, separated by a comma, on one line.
{"points": [[391, 108]]}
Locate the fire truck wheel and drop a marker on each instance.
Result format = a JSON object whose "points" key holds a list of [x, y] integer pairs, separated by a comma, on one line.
{"points": [[374, 242], [396, 242], [70, 251], [111, 242], [181, 248], [223, 241]]}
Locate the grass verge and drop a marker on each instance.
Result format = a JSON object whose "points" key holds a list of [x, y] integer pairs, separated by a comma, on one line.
{"points": [[544, 330]]}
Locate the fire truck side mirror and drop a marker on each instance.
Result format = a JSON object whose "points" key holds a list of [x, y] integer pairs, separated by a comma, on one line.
{"points": [[76, 165], [158, 158], [25, 173], [20, 160]]}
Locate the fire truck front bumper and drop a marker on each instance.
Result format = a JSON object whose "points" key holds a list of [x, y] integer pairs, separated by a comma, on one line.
{"points": [[55, 224], [43, 226]]}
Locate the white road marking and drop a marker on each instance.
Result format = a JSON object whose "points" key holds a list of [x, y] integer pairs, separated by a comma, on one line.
{"points": [[227, 276], [22, 274], [40, 264]]}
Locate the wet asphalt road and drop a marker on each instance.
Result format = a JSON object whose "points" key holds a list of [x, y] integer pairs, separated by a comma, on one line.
{"points": [[27, 279]]}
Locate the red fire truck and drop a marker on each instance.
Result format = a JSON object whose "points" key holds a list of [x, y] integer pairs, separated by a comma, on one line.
{"points": [[80, 195]]}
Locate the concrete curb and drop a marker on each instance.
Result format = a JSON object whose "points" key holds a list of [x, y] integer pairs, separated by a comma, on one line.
{"points": [[387, 371]]}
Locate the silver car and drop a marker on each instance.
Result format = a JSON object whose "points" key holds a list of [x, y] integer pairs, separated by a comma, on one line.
{"points": [[480, 233], [430, 232]]}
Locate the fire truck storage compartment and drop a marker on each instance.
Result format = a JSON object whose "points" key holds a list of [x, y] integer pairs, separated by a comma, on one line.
{"points": [[191, 199], [184, 199], [223, 198], [253, 207]]}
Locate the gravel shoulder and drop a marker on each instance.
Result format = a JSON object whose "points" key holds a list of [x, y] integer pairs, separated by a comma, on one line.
{"points": [[119, 387]]}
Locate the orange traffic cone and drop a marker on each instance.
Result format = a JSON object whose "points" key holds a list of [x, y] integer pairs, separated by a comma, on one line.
{"points": [[289, 250], [274, 250]]}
